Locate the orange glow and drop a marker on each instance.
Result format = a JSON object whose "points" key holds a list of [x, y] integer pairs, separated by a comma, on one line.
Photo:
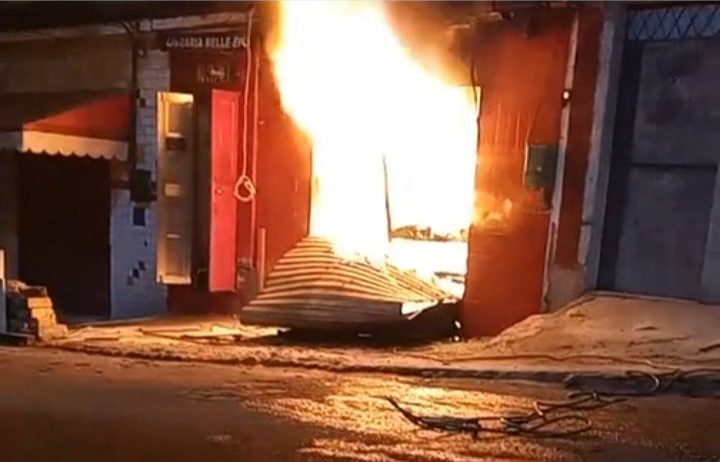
{"points": [[361, 97], [493, 210]]}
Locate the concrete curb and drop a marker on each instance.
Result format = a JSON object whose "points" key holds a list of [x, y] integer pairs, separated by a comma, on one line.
{"points": [[615, 378]]}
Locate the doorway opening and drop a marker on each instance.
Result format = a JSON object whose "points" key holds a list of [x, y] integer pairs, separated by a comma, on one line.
{"points": [[64, 232]]}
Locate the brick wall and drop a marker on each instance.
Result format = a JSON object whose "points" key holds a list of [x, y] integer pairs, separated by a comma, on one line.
{"points": [[133, 240]]}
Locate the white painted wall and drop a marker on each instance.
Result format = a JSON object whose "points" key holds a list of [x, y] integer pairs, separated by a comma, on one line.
{"points": [[134, 291]]}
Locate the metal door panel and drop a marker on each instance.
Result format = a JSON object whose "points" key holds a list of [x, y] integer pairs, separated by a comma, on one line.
{"points": [[225, 144], [175, 188]]}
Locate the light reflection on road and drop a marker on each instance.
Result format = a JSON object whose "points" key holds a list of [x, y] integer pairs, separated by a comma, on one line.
{"points": [[382, 434]]}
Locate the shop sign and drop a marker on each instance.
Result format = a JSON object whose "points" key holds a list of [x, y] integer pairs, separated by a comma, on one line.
{"points": [[206, 42]]}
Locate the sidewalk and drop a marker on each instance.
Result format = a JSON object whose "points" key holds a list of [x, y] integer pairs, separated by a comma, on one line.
{"points": [[601, 336]]}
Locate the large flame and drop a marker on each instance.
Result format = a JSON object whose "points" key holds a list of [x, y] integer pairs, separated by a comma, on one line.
{"points": [[361, 97]]}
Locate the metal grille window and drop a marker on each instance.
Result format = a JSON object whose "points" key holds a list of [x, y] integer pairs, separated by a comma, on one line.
{"points": [[675, 23]]}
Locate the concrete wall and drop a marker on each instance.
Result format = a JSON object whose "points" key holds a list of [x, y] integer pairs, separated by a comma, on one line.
{"points": [[710, 278], [676, 119], [98, 63], [664, 153], [612, 41], [655, 235], [134, 290], [670, 131]]}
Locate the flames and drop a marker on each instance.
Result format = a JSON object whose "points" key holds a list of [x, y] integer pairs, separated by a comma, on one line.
{"points": [[369, 107]]}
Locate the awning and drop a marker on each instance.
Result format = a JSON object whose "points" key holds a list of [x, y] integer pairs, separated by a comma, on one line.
{"points": [[92, 124]]}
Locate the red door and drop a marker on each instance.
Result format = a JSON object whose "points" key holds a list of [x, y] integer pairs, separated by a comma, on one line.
{"points": [[225, 143]]}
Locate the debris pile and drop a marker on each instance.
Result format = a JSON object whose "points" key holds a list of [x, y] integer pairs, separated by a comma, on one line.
{"points": [[427, 234], [30, 312]]}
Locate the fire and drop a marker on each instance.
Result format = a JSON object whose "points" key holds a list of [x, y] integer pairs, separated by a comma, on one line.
{"points": [[368, 106]]}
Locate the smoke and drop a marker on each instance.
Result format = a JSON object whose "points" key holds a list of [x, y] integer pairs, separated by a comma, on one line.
{"points": [[429, 32]]}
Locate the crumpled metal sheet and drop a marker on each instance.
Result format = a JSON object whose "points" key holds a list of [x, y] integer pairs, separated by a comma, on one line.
{"points": [[311, 287]]}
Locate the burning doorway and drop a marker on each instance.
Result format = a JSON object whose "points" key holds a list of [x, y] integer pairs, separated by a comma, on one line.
{"points": [[394, 143]]}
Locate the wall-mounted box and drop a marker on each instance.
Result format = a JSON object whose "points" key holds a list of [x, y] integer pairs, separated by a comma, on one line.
{"points": [[540, 166]]}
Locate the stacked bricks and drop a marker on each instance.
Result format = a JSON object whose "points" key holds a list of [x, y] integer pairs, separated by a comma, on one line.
{"points": [[30, 312]]}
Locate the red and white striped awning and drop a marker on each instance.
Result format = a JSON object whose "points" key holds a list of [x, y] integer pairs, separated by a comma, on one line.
{"points": [[84, 124]]}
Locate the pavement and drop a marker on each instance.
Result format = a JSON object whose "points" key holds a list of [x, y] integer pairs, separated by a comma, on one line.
{"points": [[598, 337], [62, 406]]}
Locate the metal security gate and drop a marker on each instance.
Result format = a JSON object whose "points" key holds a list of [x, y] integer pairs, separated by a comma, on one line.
{"points": [[660, 237]]}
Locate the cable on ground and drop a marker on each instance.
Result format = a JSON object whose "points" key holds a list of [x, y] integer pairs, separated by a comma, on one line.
{"points": [[552, 419]]}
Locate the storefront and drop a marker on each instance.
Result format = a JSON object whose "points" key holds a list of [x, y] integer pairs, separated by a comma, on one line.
{"points": [[249, 172], [61, 128]]}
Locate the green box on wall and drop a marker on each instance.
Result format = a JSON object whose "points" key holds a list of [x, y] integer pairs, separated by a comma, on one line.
{"points": [[540, 166]]}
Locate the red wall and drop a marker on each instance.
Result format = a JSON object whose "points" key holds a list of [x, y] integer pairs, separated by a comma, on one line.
{"points": [[521, 71], [283, 174], [580, 130], [92, 115]]}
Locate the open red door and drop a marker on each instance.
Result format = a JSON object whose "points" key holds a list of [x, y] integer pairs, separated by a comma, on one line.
{"points": [[225, 142]]}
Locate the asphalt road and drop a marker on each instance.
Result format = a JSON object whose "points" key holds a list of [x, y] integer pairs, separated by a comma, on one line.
{"points": [[57, 406]]}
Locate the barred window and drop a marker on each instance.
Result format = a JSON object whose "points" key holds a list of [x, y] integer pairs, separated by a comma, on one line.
{"points": [[674, 23]]}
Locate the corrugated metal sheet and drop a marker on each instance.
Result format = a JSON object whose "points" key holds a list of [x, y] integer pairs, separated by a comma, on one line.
{"points": [[312, 287]]}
